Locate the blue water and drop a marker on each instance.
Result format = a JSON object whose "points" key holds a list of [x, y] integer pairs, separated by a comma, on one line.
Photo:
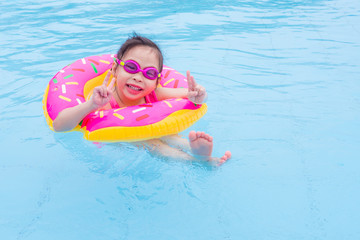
{"points": [[283, 79]]}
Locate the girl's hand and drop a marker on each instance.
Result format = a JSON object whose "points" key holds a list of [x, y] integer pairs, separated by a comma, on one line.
{"points": [[102, 94], [196, 93]]}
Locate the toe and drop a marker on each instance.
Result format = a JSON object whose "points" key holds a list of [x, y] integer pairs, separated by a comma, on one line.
{"points": [[192, 136], [228, 154], [222, 160]]}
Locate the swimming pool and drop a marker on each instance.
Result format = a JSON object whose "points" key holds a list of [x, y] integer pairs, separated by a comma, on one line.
{"points": [[283, 82]]}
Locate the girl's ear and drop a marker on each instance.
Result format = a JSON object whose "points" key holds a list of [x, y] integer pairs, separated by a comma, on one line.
{"points": [[113, 67]]}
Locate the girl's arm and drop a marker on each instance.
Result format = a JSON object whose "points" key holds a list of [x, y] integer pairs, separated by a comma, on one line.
{"points": [[195, 92], [69, 118]]}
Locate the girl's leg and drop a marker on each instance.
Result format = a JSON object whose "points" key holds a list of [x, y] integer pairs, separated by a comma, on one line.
{"points": [[161, 148], [177, 141]]}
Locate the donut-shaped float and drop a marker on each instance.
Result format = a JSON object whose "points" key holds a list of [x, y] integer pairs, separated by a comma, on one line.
{"points": [[74, 83]]}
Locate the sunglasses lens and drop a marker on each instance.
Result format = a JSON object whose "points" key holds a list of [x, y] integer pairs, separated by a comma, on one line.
{"points": [[151, 73], [131, 67]]}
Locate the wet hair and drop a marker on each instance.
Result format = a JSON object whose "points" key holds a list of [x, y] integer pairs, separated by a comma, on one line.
{"points": [[137, 40]]}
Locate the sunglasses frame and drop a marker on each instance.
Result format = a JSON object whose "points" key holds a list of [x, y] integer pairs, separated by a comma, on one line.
{"points": [[144, 71]]}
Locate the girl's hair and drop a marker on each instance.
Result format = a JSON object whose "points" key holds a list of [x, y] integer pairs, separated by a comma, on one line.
{"points": [[136, 40]]}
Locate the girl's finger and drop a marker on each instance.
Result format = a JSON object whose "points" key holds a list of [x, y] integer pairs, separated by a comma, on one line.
{"points": [[111, 84], [106, 80], [201, 90], [105, 92], [190, 80], [109, 93], [101, 91]]}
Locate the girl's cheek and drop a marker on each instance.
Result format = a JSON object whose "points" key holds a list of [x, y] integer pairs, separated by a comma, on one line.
{"points": [[152, 86]]}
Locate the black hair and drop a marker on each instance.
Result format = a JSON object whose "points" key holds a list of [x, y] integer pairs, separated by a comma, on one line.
{"points": [[137, 40]]}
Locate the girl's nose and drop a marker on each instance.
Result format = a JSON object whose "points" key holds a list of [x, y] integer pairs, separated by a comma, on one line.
{"points": [[138, 76]]}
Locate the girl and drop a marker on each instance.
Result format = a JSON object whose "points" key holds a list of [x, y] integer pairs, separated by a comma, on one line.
{"points": [[135, 76]]}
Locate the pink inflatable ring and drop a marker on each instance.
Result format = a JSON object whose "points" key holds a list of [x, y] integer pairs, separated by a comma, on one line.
{"points": [[75, 82]]}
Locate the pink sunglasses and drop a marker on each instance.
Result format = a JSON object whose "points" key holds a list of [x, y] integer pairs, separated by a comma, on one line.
{"points": [[133, 67]]}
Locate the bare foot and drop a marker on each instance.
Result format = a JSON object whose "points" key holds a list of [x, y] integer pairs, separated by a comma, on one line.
{"points": [[201, 143], [224, 158]]}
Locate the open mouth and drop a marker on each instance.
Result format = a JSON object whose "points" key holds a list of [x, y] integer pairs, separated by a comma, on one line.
{"points": [[135, 88]]}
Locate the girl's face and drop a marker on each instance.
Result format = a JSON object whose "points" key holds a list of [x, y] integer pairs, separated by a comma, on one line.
{"points": [[132, 88]]}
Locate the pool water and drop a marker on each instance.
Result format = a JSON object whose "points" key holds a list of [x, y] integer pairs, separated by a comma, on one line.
{"points": [[283, 79]]}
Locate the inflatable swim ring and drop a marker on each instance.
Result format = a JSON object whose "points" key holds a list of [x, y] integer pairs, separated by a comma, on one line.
{"points": [[74, 83]]}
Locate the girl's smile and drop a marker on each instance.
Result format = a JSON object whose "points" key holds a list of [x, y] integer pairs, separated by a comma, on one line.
{"points": [[133, 89]]}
